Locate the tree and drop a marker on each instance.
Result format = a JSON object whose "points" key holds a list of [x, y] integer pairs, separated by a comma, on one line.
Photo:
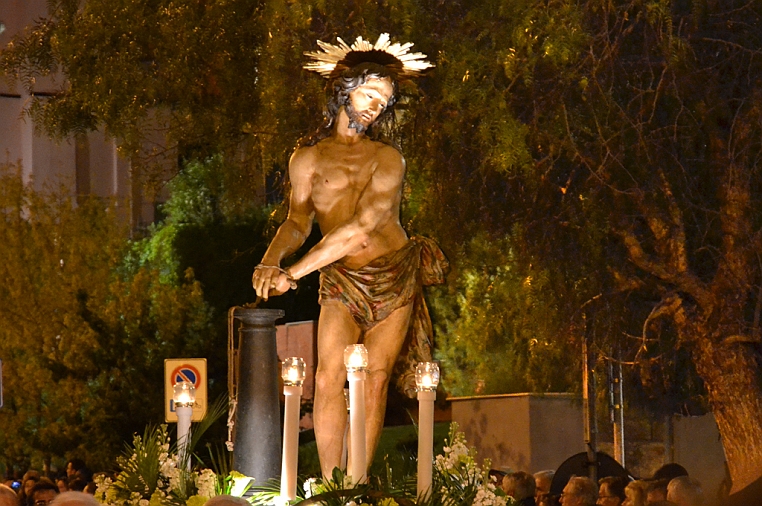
{"points": [[684, 135], [83, 338], [636, 124], [500, 332]]}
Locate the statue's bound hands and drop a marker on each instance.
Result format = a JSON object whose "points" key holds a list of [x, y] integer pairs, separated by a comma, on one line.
{"points": [[270, 280], [282, 285]]}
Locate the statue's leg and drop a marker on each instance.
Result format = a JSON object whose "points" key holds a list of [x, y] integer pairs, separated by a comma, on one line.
{"points": [[384, 342], [336, 331]]}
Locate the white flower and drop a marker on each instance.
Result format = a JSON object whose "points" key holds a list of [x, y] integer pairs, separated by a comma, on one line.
{"points": [[459, 474], [174, 478], [309, 487], [168, 466], [206, 482], [102, 486]]}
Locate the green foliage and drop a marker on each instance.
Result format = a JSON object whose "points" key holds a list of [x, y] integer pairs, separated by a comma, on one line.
{"points": [[151, 472], [205, 226], [141, 462], [83, 345], [500, 331]]}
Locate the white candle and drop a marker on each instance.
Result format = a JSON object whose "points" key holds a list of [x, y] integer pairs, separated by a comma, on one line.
{"points": [[426, 380], [293, 373], [357, 425], [184, 396], [293, 394], [184, 415], [426, 400]]}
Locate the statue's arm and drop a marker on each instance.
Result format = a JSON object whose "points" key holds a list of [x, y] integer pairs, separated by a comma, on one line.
{"points": [[294, 231], [377, 207]]}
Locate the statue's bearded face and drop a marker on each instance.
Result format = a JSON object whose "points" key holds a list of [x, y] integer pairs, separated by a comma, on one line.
{"points": [[367, 102]]}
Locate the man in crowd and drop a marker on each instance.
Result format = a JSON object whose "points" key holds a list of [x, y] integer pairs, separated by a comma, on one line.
{"points": [[520, 486], [73, 498], [7, 496], [611, 491], [579, 491], [542, 482], [43, 492], [684, 491]]}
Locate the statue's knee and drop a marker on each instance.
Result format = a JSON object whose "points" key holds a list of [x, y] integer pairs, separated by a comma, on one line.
{"points": [[329, 380]]}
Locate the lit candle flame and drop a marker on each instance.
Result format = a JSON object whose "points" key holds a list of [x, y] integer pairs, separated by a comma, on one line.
{"points": [[355, 360]]}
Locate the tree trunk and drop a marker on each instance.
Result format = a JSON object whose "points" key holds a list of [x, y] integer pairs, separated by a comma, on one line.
{"points": [[729, 371]]}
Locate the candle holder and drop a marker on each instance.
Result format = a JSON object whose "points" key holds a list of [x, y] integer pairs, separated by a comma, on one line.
{"points": [[293, 371], [184, 397], [184, 394], [427, 376], [356, 362], [293, 374], [356, 357], [426, 381]]}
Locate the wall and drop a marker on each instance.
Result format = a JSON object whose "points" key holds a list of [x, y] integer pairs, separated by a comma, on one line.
{"points": [[521, 432], [299, 339]]}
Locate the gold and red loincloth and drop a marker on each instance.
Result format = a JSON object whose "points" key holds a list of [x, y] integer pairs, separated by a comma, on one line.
{"points": [[373, 292]]}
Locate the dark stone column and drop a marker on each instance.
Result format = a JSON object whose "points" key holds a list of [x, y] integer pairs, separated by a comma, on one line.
{"points": [[257, 451]]}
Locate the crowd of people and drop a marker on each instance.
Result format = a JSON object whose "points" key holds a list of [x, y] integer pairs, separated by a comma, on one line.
{"points": [[670, 486], [73, 487]]}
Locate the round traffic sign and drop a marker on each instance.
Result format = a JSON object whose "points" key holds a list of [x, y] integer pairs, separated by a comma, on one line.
{"points": [[186, 372]]}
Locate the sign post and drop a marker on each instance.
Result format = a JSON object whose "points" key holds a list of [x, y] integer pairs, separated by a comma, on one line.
{"points": [[192, 370]]}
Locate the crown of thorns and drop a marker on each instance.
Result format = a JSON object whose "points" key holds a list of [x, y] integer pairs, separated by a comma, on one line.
{"points": [[397, 58]]}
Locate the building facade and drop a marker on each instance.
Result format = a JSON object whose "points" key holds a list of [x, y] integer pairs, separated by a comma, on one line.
{"points": [[88, 164]]}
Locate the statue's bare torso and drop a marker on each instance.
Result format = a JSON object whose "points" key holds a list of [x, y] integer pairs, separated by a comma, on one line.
{"points": [[340, 176]]}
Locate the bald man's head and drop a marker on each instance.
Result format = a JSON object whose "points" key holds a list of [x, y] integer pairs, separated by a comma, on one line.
{"points": [[7, 496], [74, 499]]}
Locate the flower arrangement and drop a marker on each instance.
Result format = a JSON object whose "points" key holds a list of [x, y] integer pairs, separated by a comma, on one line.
{"points": [[152, 475], [459, 480]]}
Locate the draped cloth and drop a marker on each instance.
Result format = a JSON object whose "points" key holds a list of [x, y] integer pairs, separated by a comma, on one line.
{"points": [[374, 291]]}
